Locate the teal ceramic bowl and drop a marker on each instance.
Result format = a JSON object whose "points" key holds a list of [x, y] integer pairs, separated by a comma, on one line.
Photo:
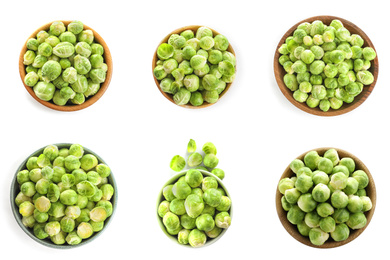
{"points": [[29, 231], [161, 198]]}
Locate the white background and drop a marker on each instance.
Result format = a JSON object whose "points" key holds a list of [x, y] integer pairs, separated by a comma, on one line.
{"points": [[137, 131]]}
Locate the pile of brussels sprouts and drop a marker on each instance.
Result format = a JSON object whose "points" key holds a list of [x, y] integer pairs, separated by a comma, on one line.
{"points": [[195, 66], [195, 208], [327, 197], [195, 159], [64, 65], [325, 66], [64, 194]]}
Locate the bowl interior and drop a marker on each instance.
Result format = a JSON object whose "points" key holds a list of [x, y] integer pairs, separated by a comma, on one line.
{"points": [[194, 28], [330, 243], [88, 101], [29, 231], [161, 198], [280, 72]]}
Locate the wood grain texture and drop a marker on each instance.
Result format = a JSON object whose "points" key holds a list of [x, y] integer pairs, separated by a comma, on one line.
{"points": [[194, 28], [280, 72], [88, 101], [292, 229]]}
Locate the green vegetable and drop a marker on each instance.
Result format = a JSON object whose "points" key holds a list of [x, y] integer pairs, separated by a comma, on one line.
{"points": [[191, 215], [59, 58], [323, 64], [55, 199], [187, 59], [322, 196]]}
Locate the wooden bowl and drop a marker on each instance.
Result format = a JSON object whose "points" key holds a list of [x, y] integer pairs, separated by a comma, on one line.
{"points": [[88, 101], [161, 198], [29, 231], [194, 28], [280, 72], [330, 243]]}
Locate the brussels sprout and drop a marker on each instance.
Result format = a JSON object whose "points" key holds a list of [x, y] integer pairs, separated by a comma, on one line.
{"points": [[84, 230], [193, 178], [31, 79], [317, 236], [324, 209], [212, 197], [285, 184], [223, 220], [194, 205], [295, 215], [177, 163], [303, 183], [191, 82], [339, 199], [306, 202], [320, 177], [182, 97], [197, 238], [357, 220], [163, 208], [321, 192], [181, 189]]}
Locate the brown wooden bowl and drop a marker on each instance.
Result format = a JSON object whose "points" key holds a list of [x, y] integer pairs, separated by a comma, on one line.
{"points": [[330, 243], [194, 28], [88, 101], [280, 72]]}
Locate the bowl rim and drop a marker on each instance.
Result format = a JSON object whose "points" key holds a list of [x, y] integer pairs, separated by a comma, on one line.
{"points": [[330, 243], [14, 190], [89, 101], [374, 69], [161, 198], [155, 59]]}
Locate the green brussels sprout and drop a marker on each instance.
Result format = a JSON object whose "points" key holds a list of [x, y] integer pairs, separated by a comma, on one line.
{"points": [[285, 184], [206, 42], [339, 199], [167, 193], [187, 34], [225, 204], [177, 207], [82, 64], [312, 219], [205, 222], [210, 160], [212, 197], [191, 146], [355, 204], [72, 212], [31, 79], [194, 205], [108, 191], [197, 238], [183, 236], [39, 231], [52, 40], [165, 51], [306, 202], [98, 214], [84, 230], [63, 50], [295, 215], [321, 192], [42, 186], [171, 221], [324, 209], [317, 236], [324, 105], [367, 203], [22, 176], [51, 70], [193, 178], [177, 163], [357, 220], [163, 208], [68, 197], [303, 183], [223, 220], [28, 188], [320, 177], [26, 208], [93, 177], [182, 97], [218, 172], [191, 82], [88, 162], [44, 49], [365, 77], [181, 189], [292, 195]]}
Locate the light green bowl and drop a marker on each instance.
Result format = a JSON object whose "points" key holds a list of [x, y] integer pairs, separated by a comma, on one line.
{"points": [[29, 231], [161, 198]]}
